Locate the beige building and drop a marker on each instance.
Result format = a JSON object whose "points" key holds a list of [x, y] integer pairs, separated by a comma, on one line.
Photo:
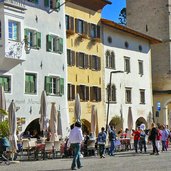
{"points": [[85, 59], [153, 18]]}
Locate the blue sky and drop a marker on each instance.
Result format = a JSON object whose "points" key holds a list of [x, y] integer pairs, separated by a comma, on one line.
{"points": [[112, 12]]}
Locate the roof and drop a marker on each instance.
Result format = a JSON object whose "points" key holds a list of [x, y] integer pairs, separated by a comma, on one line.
{"points": [[129, 30], [91, 4]]}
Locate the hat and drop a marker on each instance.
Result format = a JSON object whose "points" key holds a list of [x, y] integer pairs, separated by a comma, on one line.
{"points": [[78, 124]]}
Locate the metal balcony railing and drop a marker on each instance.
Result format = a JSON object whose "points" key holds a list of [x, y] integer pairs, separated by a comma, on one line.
{"points": [[14, 3]]}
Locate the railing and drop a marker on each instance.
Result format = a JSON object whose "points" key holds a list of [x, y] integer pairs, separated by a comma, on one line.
{"points": [[18, 3]]}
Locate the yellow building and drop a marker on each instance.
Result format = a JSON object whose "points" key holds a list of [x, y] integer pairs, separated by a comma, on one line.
{"points": [[84, 57]]}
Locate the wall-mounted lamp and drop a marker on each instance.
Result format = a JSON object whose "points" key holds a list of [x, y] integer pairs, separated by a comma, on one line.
{"points": [[36, 19], [30, 111], [63, 67], [41, 64]]}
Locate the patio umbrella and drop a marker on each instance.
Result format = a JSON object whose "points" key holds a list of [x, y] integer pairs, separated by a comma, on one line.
{"points": [[53, 123], [12, 126], [59, 124], [93, 120], [77, 108], [130, 119], [2, 103], [43, 112]]}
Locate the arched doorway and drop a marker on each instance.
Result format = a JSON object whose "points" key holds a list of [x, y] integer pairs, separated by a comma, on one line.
{"points": [[86, 126], [34, 125], [140, 121]]}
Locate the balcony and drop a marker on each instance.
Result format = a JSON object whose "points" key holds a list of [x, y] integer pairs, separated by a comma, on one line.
{"points": [[18, 4]]}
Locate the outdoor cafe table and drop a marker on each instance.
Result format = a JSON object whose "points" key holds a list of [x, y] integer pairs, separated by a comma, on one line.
{"points": [[125, 142]]}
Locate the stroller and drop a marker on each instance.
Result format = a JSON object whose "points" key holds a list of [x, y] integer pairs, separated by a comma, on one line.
{"points": [[4, 144]]}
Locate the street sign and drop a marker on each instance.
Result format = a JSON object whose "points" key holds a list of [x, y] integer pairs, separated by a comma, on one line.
{"points": [[157, 114], [158, 106]]}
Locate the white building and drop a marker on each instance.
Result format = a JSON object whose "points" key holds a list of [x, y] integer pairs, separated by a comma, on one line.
{"points": [[131, 90], [33, 57]]}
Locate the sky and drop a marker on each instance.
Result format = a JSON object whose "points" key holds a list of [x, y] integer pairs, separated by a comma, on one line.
{"points": [[112, 11]]}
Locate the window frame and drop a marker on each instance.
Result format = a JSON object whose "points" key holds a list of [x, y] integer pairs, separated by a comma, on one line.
{"points": [[13, 35], [127, 66], [142, 96], [112, 93], [71, 92], [30, 89], [6, 84], [141, 67], [128, 95]]}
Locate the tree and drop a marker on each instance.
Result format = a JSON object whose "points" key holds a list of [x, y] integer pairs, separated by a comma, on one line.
{"points": [[122, 16], [116, 120]]}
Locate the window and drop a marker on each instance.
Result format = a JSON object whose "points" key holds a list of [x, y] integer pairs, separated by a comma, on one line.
{"points": [[82, 60], [110, 59], [83, 91], [54, 44], [34, 1], [30, 83], [94, 31], [55, 4], [69, 23], [13, 29], [112, 93], [142, 96], [95, 94], [81, 27], [5, 81], [32, 38], [140, 63], [70, 57], [71, 92], [54, 85], [127, 64], [95, 63], [0, 30], [128, 95]]}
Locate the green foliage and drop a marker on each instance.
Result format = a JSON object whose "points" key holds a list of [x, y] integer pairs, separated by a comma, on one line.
{"points": [[4, 128], [122, 17], [116, 120], [3, 112]]}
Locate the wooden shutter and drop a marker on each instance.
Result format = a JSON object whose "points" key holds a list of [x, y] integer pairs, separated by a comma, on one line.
{"points": [[71, 23], [61, 86], [36, 1], [78, 89], [98, 31], [73, 92], [86, 61], [38, 40], [84, 28], [90, 61], [73, 57], [6, 85], [32, 84], [87, 93], [48, 84], [46, 3], [76, 25], [77, 59], [98, 63], [49, 43], [26, 37]]}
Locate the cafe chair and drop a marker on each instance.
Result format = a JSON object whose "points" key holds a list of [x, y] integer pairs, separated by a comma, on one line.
{"points": [[49, 150], [57, 149]]}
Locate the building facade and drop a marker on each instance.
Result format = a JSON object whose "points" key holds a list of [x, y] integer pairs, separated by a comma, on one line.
{"points": [[128, 82], [153, 18], [33, 58], [85, 59]]}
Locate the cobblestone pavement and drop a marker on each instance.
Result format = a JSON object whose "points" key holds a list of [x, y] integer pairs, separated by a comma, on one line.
{"points": [[122, 161]]}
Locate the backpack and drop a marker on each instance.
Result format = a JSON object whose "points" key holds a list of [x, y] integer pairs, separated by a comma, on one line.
{"points": [[112, 136]]}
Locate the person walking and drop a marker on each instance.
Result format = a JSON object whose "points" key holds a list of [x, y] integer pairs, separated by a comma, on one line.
{"points": [[112, 138], [75, 139], [136, 134], [152, 137], [142, 142], [164, 137], [101, 142]]}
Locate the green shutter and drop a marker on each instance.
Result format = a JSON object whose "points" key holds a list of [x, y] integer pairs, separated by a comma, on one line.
{"points": [[58, 5], [6, 85], [60, 50], [38, 40], [46, 3], [36, 1], [49, 43], [27, 84], [61, 86], [26, 36], [48, 84]]}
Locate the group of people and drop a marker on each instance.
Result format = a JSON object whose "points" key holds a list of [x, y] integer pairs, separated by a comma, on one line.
{"points": [[158, 134]]}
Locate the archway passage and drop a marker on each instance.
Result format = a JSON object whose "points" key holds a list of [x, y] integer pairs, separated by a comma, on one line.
{"points": [[140, 121], [34, 125], [86, 126]]}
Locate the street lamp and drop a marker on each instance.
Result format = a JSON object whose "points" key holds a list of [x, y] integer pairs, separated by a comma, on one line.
{"points": [[108, 101]]}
